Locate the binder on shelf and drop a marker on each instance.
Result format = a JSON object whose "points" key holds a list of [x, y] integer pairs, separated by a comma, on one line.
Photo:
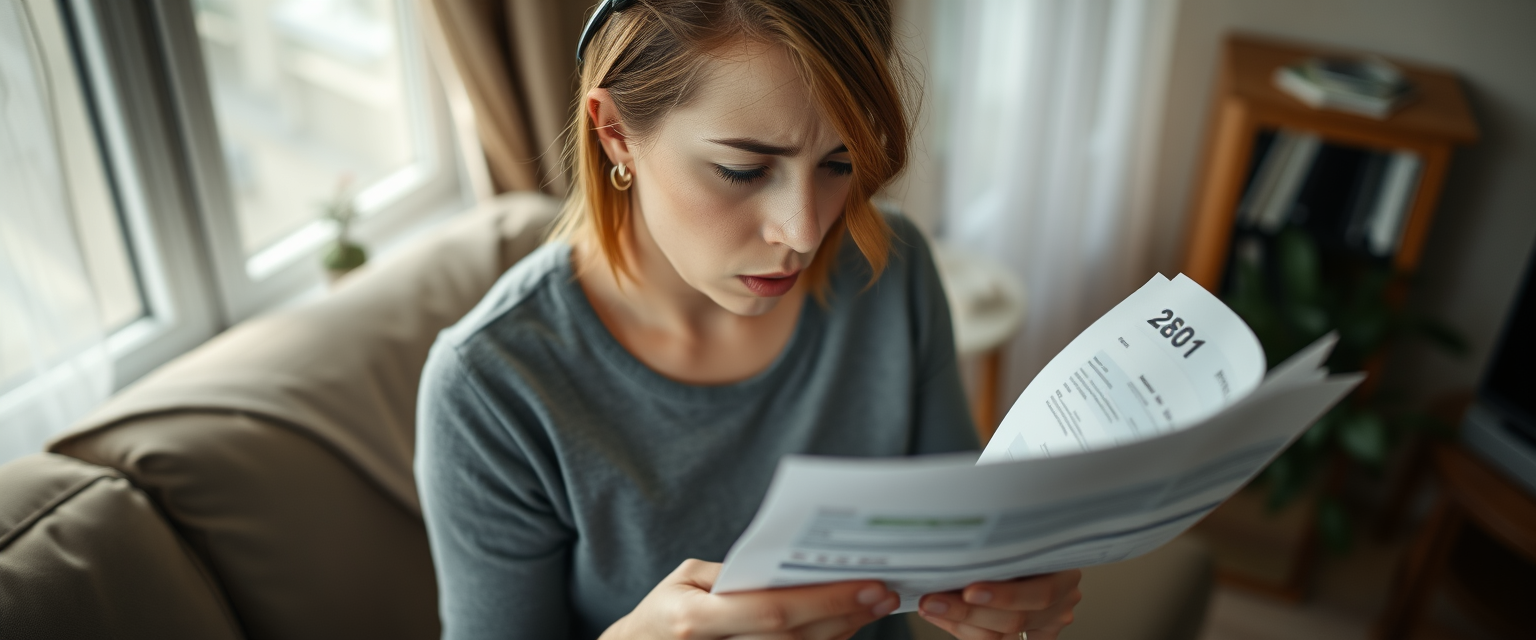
{"points": [[1362, 203], [1263, 181], [1360, 198], [1275, 206], [1323, 201], [1395, 201]]}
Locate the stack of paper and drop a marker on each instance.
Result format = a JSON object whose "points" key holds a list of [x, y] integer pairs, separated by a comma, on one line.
{"points": [[1367, 86], [1146, 422]]}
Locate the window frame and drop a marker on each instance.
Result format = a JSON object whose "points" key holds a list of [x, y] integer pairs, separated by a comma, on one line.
{"points": [[248, 285], [147, 104], [137, 145], [115, 73]]}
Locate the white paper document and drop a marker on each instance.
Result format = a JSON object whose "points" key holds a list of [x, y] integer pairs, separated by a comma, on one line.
{"points": [[1147, 421]]}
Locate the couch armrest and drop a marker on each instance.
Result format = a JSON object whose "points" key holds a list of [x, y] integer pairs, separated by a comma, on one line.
{"points": [[301, 543], [83, 554]]}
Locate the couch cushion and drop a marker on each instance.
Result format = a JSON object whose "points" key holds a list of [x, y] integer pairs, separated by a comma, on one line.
{"points": [[345, 370], [305, 547], [83, 554]]}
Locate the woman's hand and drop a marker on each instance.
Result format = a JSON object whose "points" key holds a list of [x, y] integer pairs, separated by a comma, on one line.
{"points": [[682, 608], [1039, 606]]}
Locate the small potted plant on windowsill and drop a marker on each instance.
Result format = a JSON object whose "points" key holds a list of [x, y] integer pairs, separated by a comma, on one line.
{"points": [[342, 255]]}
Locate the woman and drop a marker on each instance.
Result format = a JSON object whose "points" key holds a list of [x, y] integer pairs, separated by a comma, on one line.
{"points": [[719, 292]]}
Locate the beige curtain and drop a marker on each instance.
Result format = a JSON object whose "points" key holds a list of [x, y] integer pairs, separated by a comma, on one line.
{"points": [[517, 62]]}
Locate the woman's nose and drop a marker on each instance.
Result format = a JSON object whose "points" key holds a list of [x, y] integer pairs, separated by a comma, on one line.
{"points": [[794, 223]]}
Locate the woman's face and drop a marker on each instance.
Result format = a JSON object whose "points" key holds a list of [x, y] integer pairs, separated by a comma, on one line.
{"points": [[738, 187]]}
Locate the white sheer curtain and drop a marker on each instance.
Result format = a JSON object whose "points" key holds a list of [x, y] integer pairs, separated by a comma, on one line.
{"points": [[1050, 107], [54, 365]]}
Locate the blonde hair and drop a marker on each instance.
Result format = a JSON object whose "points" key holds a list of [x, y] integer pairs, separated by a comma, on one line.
{"points": [[649, 57]]}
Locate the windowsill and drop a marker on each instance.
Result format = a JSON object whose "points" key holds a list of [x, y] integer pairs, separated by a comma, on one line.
{"points": [[411, 235]]}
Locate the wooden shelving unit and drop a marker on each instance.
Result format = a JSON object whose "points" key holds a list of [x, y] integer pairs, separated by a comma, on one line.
{"points": [[1246, 104]]}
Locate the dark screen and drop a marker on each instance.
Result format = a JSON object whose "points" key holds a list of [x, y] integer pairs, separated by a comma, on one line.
{"points": [[1509, 383]]}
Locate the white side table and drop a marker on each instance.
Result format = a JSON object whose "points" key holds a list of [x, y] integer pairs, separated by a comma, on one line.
{"points": [[986, 302]]}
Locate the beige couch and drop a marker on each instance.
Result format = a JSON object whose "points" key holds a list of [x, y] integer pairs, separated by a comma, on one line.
{"points": [[260, 486]]}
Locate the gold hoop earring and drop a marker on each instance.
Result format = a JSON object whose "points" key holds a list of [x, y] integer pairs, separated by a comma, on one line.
{"points": [[620, 177]]}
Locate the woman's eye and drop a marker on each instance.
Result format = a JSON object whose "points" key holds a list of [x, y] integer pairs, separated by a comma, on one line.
{"points": [[840, 168], [739, 176]]}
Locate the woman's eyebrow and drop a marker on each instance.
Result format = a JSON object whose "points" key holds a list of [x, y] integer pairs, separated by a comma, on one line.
{"points": [[752, 145]]}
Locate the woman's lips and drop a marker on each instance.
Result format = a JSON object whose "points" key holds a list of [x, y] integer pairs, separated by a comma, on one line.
{"points": [[770, 286]]}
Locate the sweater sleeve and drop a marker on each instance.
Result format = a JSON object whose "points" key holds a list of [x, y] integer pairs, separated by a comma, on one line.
{"points": [[498, 542], [944, 422]]}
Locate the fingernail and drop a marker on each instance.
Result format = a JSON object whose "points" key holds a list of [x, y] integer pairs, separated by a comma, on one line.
{"points": [[979, 596], [887, 606], [871, 595], [935, 607]]}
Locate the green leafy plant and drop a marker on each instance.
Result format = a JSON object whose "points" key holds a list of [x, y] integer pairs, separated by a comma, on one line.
{"points": [[342, 255], [1291, 295]]}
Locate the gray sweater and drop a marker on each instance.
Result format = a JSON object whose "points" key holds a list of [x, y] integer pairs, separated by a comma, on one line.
{"points": [[562, 479]]}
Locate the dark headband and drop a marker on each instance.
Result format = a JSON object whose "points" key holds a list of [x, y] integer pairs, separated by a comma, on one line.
{"points": [[605, 9]]}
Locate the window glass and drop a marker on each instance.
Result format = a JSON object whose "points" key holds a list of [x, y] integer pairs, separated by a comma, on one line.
{"points": [[307, 93], [66, 276], [105, 247]]}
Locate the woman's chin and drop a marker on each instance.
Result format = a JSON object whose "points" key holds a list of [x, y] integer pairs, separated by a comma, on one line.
{"points": [[746, 304]]}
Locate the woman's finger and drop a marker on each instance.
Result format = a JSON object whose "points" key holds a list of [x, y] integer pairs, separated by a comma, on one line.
{"points": [[779, 610], [1054, 619], [1048, 625], [1026, 594], [952, 608], [830, 628], [964, 631], [698, 573]]}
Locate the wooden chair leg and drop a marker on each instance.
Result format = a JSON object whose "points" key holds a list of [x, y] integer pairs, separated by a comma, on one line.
{"points": [[1402, 487], [984, 407], [1419, 572]]}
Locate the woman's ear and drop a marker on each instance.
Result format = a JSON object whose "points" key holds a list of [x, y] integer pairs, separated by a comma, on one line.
{"points": [[610, 130]]}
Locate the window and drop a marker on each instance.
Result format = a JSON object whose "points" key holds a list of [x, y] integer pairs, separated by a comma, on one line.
{"points": [[195, 142], [46, 146], [263, 107], [284, 102], [307, 94]]}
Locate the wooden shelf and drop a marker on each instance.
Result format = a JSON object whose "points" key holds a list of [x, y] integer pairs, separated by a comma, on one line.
{"points": [[1440, 113], [1247, 102]]}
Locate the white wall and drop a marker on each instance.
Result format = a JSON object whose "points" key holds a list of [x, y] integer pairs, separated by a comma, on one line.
{"points": [[1487, 216], [917, 191]]}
